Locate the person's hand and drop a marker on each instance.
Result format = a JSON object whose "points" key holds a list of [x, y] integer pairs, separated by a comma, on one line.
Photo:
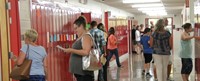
{"points": [[14, 57], [68, 50]]}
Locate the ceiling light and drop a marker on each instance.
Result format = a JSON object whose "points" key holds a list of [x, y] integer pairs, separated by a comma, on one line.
{"points": [[148, 5], [154, 11], [140, 1], [157, 8]]}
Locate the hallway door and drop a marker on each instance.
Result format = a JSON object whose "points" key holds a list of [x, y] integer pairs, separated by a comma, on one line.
{"points": [[4, 62]]}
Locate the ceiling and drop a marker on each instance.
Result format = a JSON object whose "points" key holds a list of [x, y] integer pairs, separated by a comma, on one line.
{"points": [[171, 6]]}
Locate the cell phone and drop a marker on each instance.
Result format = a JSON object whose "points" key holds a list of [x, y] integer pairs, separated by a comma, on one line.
{"points": [[60, 47]]}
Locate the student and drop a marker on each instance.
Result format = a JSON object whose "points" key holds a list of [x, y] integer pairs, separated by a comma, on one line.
{"points": [[99, 39], [161, 42], [147, 50], [112, 46], [81, 47], [36, 53], [186, 52]]}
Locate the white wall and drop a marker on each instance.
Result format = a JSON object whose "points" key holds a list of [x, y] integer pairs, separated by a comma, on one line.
{"points": [[176, 19]]}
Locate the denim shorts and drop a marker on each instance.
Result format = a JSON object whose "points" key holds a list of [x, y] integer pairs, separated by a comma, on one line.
{"points": [[35, 78]]}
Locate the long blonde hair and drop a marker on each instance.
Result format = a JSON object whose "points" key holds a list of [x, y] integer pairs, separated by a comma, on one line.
{"points": [[160, 25]]}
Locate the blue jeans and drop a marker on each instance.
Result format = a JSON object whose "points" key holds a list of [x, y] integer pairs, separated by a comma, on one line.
{"points": [[111, 53], [36, 78]]}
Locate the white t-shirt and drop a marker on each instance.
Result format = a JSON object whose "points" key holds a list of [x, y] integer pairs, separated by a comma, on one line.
{"points": [[137, 36]]}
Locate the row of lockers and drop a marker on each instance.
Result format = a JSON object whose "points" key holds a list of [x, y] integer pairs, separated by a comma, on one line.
{"points": [[55, 27]]}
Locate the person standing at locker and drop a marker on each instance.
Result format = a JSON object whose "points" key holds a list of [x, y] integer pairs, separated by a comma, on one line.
{"points": [[99, 39], [81, 47], [161, 42], [186, 52], [36, 53]]}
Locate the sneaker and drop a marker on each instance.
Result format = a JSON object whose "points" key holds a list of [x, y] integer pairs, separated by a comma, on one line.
{"points": [[148, 75]]}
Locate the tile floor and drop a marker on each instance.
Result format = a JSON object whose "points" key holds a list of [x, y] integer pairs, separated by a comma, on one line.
{"points": [[132, 66]]}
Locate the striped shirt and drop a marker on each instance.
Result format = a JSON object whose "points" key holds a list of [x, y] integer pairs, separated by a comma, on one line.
{"points": [[161, 43]]}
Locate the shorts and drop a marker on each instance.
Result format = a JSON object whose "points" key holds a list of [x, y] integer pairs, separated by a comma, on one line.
{"points": [[147, 57], [197, 65], [186, 65]]}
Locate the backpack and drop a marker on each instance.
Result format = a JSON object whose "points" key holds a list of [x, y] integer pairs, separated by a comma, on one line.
{"points": [[133, 33]]}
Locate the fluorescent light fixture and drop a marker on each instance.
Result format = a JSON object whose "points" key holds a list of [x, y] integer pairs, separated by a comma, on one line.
{"points": [[158, 11], [157, 14], [156, 8], [148, 5], [140, 1]]}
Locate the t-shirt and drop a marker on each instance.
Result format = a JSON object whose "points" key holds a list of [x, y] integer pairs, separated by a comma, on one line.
{"points": [[186, 49], [112, 40], [146, 46], [137, 36], [37, 55], [99, 38], [161, 44]]}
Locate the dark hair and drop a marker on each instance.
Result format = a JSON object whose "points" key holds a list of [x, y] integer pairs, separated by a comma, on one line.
{"points": [[147, 30], [137, 27], [111, 30], [80, 21], [100, 26], [93, 24], [187, 25]]}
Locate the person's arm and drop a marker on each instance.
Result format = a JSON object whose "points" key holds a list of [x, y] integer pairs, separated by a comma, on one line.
{"points": [[104, 42], [171, 42], [45, 67], [185, 37], [86, 44], [21, 58], [151, 41]]}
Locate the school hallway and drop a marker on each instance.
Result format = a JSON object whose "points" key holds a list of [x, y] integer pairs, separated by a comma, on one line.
{"points": [[132, 66]]}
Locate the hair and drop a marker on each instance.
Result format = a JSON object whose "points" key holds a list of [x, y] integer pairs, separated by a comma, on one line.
{"points": [[31, 35], [100, 26], [111, 30], [141, 25], [80, 21], [147, 30], [159, 25], [93, 24], [187, 25], [137, 27]]}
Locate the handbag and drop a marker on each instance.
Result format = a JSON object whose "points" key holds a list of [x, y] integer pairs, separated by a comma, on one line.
{"points": [[92, 61], [22, 72]]}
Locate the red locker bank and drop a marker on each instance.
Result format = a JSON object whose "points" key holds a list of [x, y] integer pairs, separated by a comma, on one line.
{"points": [[55, 27]]}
